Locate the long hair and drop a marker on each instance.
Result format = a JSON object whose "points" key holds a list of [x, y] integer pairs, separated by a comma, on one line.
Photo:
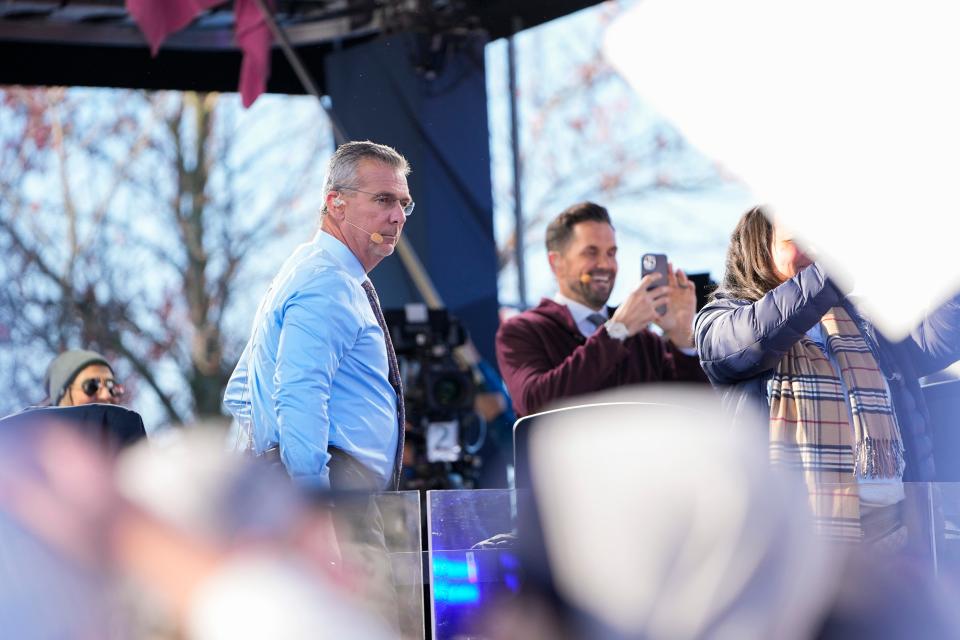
{"points": [[749, 272]]}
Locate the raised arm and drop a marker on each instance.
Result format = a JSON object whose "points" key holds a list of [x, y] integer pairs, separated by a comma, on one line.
{"points": [[935, 343], [738, 339]]}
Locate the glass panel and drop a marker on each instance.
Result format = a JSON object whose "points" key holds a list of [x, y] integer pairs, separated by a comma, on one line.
{"points": [[472, 557], [946, 496], [474, 562], [380, 544], [401, 512]]}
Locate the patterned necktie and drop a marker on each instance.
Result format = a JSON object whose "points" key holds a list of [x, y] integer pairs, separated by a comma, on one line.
{"points": [[394, 377], [596, 319]]}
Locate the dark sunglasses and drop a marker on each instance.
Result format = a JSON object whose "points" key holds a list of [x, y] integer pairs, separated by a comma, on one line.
{"points": [[91, 386]]}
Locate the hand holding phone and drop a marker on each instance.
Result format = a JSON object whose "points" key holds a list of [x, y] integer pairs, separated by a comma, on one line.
{"points": [[638, 310], [676, 319]]}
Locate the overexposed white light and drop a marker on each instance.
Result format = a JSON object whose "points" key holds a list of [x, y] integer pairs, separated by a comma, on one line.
{"points": [[841, 115]]}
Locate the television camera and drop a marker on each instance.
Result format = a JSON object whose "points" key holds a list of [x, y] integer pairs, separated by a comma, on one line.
{"points": [[444, 431]]}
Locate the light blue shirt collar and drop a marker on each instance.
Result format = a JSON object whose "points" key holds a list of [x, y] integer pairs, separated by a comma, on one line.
{"points": [[342, 254], [580, 312]]}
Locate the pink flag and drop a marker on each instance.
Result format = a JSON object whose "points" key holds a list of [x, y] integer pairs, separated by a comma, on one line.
{"points": [[254, 37], [157, 19]]}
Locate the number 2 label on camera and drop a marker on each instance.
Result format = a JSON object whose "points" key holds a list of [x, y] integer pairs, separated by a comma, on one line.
{"points": [[443, 441]]}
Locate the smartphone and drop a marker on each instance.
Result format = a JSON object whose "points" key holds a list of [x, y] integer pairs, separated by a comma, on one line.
{"points": [[655, 263]]}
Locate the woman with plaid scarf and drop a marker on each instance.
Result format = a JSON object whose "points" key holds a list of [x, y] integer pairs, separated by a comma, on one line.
{"points": [[844, 404]]}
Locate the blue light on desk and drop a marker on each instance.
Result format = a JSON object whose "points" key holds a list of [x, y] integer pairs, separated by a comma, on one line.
{"points": [[456, 593], [464, 583], [449, 569], [454, 580]]}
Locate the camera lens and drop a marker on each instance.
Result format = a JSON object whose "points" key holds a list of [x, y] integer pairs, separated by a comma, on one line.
{"points": [[447, 392]]}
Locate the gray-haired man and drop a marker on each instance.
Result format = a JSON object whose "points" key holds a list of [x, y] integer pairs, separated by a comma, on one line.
{"points": [[317, 385]]}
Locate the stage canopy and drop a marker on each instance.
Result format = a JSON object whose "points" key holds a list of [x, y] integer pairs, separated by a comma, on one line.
{"points": [[423, 59], [95, 42]]}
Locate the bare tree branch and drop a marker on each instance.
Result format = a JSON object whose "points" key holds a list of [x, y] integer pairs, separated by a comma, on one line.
{"points": [[153, 285]]}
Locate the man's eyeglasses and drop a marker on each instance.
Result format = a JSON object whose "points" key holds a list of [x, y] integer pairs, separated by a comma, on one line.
{"points": [[386, 201], [91, 386]]}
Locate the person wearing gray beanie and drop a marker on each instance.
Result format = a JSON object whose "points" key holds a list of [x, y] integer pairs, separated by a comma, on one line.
{"points": [[79, 377]]}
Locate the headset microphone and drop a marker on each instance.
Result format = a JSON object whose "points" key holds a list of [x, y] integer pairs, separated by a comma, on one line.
{"points": [[586, 278], [375, 237]]}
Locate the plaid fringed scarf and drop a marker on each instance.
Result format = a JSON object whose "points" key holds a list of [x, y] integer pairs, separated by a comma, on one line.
{"points": [[810, 422]]}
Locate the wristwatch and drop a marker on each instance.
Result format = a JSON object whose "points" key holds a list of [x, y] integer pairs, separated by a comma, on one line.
{"points": [[616, 330]]}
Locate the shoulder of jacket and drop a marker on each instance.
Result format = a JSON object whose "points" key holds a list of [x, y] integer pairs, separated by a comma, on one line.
{"points": [[522, 320], [547, 309], [718, 304]]}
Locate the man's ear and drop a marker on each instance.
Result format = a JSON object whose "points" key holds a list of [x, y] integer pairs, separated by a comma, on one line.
{"points": [[334, 202], [554, 258]]}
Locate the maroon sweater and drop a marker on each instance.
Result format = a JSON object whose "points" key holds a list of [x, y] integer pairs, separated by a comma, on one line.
{"points": [[543, 357]]}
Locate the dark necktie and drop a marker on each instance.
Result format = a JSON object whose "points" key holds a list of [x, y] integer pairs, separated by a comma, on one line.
{"points": [[394, 378], [596, 319]]}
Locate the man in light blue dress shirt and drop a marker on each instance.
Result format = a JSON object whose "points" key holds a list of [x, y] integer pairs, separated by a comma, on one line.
{"points": [[318, 376]]}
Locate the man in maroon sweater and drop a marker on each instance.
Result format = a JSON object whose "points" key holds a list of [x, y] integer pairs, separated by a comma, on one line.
{"points": [[574, 344]]}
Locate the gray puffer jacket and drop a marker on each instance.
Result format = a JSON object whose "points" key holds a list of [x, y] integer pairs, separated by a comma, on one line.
{"points": [[741, 342]]}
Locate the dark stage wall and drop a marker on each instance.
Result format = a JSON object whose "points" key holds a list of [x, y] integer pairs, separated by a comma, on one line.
{"points": [[432, 107]]}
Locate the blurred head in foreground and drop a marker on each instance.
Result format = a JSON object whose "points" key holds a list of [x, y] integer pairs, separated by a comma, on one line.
{"points": [[178, 541], [659, 519]]}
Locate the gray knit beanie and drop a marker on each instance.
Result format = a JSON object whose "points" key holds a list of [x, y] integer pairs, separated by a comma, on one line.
{"points": [[65, 368]]}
